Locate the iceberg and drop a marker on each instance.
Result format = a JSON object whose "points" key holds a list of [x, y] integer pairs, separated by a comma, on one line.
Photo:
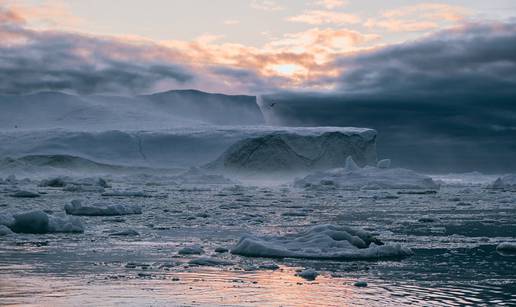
{"points": [[352, 177], [298, 152], [504, 182], [39, 222], [321, 242], [76, 207]]}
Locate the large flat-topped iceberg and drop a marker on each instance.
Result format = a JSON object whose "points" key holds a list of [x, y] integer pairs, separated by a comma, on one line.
{"points": [[298, 152], [166, 148], [321, 242]]}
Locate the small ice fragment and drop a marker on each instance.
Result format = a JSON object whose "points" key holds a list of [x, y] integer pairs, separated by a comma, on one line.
{"points": [[309, 274], [385, 163], [4, 230], [195, 249], [221, 250], [209, 261], [350, 165], [25, 194], [76, 207], [508, 248], [360, 284], [126, 232]]}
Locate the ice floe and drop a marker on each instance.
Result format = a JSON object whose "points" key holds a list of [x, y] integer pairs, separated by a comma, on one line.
{"points": [[507, 248], [77, 207], [39, 222], [308, 274], [320, 242], [194, 249], [25, 194], [353, 177], [209, 261], [504, 182]]}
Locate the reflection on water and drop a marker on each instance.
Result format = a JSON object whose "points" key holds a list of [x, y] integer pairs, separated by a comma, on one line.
{"points": [[455, 261], [215, 286]]}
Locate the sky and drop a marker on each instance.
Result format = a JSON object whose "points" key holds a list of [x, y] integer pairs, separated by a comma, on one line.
{"points": [[251, 46]]}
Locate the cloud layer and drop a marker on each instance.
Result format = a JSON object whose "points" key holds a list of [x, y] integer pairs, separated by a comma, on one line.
{"points": [[444, 102]]}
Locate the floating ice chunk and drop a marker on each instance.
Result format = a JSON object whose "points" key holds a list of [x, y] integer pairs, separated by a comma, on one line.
{"points": [[57, 182], [40, 222], [505, 182], [209, 261], [320, 242], [367, 178], [508, 248], [80, 188], [25, 194], [360, 284], [350, 165], [385, 163], [268, 266], [4, 230], [126, 232], [221, 249], [76, 207], [128, 194], [308, 274], [7, 219], [195, 249]]}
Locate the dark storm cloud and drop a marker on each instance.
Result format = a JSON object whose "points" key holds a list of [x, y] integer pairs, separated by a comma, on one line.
{"points": [[474, 59], [444, 102], [45, 60]]}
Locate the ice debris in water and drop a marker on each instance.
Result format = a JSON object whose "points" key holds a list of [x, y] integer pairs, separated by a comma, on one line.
{"points": [[385, 163], [195, 249], [25, 194], [308, 274], [126, 232], [350, 165], [126, 194], [353, 177], [4, 230], [76, 207], [40, 222], [507, 248], [63, 181], [321, 242], [209, 261], [505, 182]]}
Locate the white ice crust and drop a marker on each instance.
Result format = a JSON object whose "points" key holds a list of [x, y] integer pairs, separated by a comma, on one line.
{"points": [[320, 242]]}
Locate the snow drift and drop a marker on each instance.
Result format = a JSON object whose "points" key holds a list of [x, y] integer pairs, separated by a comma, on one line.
{"points": [[321, 242], [286, 152], [353, 177]]}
